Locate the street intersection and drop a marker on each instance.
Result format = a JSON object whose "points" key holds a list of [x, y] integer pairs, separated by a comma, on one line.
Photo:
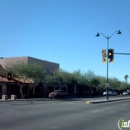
{"points": [[62, 114]]}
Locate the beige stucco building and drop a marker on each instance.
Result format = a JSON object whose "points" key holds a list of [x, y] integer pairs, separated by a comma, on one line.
{"points": [[47, 65], [8, 88]]}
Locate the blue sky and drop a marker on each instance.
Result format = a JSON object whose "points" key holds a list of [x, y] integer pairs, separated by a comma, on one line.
{"points": [[63, 31]]}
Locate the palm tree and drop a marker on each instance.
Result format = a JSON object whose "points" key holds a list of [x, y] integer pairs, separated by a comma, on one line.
{"points": [[125, 77]]}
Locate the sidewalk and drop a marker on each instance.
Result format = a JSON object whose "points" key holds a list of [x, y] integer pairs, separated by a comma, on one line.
{"points": [[111, 99], [29, 99], [90, 100]]}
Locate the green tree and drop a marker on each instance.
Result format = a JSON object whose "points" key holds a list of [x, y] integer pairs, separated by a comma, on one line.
{"points": [[89, 75], [59, 77], [126, 77], [95, 82], [123, 86], [26, 72], [77, 77], [114, 83], [3, 72], [102, 81]]}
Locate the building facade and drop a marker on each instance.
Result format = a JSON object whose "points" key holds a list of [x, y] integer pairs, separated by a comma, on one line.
{"points": [[47, 65], [38, 89]]}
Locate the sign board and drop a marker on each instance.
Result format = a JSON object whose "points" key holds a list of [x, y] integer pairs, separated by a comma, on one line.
{"points": [[104, 56], [106, 84]]}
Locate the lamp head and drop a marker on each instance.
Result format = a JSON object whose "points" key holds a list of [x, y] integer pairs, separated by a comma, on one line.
{"points": [[97, 35], [119, 32]]}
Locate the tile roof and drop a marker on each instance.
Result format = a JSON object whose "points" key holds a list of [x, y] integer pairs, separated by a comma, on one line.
{"points": [[5, 80]]}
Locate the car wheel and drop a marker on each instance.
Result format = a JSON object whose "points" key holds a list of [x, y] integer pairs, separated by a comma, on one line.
{"points": [[58, 97], [64, 97], [50, 97]]}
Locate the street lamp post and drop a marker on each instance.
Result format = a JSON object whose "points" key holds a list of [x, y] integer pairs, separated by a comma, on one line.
{"points": [[108, 37]]}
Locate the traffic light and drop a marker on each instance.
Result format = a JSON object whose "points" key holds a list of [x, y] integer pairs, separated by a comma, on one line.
{"points": [[9, 76], [111, 55], [104, 58]]}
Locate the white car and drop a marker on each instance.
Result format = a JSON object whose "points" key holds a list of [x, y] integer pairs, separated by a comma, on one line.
{"points": [[125, 93], [110, 93]]}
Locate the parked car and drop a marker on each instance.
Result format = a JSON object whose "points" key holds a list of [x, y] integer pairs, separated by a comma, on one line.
{"points": [[57, 94], [110, 93], [125, 93]]}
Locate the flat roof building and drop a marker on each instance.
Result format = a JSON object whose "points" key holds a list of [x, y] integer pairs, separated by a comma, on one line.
{"points": [[47, 65], [11, 87]]}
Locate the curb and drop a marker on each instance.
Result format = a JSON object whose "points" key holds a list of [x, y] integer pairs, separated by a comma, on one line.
{"points": [[31, 100], [95, 102]]}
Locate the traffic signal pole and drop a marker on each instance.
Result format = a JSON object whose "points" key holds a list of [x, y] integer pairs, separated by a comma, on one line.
{"points": [[107, 64], [123, 53], [107, 56]]}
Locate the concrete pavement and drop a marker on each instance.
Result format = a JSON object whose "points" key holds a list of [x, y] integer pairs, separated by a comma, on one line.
{"points": [[88, 100], [111, 99], [65, 115]]}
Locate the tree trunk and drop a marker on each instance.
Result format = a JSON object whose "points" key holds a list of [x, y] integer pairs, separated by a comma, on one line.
{"points": [[29, 88], [28, 91], [21, 91]]}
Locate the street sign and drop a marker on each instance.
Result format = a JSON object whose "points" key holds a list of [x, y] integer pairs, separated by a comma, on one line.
{"points": [[106, 84], [104, 56]]}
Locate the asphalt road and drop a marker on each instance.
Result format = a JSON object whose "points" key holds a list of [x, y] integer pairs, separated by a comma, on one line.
{"points": [[62, 115]]}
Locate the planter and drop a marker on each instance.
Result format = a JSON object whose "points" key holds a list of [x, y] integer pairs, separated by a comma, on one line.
{"points": [[4, 97], [13, 97]]}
